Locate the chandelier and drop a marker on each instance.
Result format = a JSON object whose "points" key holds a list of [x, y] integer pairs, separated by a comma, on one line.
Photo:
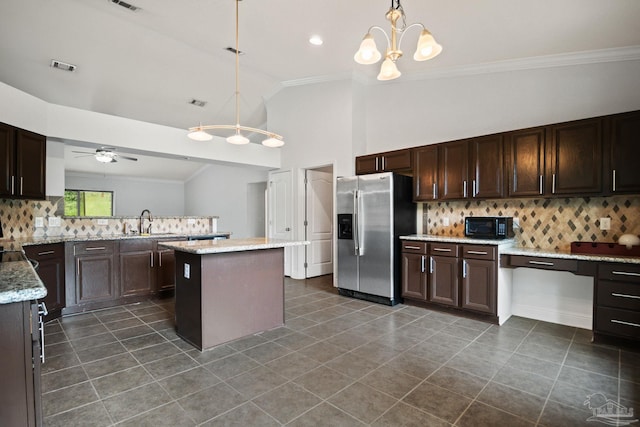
{"points": [[368, 53], [198, 132]]}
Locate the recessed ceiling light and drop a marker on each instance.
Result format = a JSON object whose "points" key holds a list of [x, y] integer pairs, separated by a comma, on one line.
{"points": [[63, 65], [316, 40]]}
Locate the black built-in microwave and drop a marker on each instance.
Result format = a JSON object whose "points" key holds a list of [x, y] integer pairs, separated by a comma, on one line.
{"points": [[488, 227]]}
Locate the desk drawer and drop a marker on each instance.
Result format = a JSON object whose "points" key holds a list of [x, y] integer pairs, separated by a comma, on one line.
{"points": [[414, 247], [618, 322], [620, 272], [487, 253], [618, 295], [543, 263], [443, 249]]}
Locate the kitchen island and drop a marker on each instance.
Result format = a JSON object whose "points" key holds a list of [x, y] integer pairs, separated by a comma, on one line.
{"points": [[228, 289]]}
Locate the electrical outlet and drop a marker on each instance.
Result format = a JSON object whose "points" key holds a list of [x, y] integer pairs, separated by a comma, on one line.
{"points": [[445, 221], [39, 222], [54, 221], [103, 221], [605, 223], [187, 271], [516, 223], [191, 221]]}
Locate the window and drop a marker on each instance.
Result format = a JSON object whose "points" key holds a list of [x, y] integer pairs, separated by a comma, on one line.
{"points": [[88, 203]]}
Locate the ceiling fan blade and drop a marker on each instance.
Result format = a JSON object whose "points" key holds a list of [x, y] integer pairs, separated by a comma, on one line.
{"points": [[127, 158], [83, 152]]}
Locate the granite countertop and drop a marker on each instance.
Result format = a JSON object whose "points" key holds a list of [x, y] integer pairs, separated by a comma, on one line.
{"points": [[452, 239], [17, 244], [203, 247], [553, 253], [19, 282]]}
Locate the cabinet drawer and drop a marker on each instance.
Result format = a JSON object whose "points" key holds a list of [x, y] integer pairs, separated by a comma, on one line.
{"points": [[618, 322], [618, 295], [620, 272], [45, 252], [443, 249], [136, 245], [414, 247], [479, 252], [544, 263], [97, 247]]}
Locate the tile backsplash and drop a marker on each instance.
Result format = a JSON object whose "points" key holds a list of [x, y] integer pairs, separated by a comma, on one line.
{"points": [[18, 221], [543, 223]]}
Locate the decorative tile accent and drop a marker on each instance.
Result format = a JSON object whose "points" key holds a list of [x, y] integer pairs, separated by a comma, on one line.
{"points": [[18, 221], [544, 223]]}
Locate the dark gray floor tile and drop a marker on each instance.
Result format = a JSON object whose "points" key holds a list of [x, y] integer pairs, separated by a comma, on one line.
{"points": [[398, 341], [298, 323], [67, 398], [525, 381], [589, 380], [109, 365], [348, 340], [245, 415], [93, 415], [363, 402], [460, 331], [52, 327], [211, 355], [407, 416], [144, 311], [266, 352], [413, 365], [352, 365], [156, 352], [550, 354], [112, 384], [472, 324], [231, 366], [502, 338], [514, 401], [247, 342], [287, 402], [113, 316], [630, 372], [296, 340], [536, 366], [293, 365], [430, 323], [211, 402], [447, 341], [257, 381], [322, 351], [390, 381], [488, 353], [474, 365], [481, 415], [56, 338], [324, 381], [556, 414], [143, 341], [555, 330], [188, 382], [572, 395], [545, 340], [135, 331], [124, 324], [438, 401], [169, 415], [376, 352], [57, 349], [326, 415], [593, 358], [170, 365], [62, 361], [95, 353], [78, 321], [457, 381], [63, 378], [431, 351], [93, 341], [133, 402], [521, 323], [630, 391], [156, 317]]}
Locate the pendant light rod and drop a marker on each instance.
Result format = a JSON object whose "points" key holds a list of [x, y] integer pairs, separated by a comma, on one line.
{"points": [[198, 132]]}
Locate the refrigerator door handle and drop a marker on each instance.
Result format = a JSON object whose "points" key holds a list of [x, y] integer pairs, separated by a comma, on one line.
{"points": [[356, 249], [359, 224]]}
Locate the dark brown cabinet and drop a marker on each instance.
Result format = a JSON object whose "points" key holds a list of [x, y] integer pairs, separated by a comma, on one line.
{"points": [[453, 166], [23, 160], [622, 174], [136, 261], [94, 272], [479, 280], [525, 159], [392, 161], [486, 167], [414, 277], [20, 367], [443, 274], [166, 270], [425, 173], [50, 258], [617, 300]]}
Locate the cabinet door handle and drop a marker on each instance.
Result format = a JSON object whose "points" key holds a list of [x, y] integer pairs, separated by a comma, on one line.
{"points": [[42, 311], [160, 259], [464, 188], [13, 184], [434, 191], [553, 183], [615, 294], [477, 252], [423, 262], [614, 180], [384, 163], [441, 250], [625, 273], [21, 185], [431, 264], [377, 164], [621, 322], [473, 189], [151, 256], [550, 264], [95, 248], [541, 184], [412, 247], [464, 269], [46, 253]]}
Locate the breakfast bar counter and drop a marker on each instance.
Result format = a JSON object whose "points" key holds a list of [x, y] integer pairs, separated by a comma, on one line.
{"points": [[228, 289]]}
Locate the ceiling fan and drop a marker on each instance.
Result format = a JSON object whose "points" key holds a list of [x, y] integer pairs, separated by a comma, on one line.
{"points": [[106, 155]]}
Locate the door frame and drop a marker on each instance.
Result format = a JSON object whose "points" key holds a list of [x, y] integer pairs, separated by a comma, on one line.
{"points": [[290, 268], [324, 169]]}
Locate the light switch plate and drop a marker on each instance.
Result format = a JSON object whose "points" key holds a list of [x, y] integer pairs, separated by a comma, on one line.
{"points": [[605, 223], [187, 271], [54, 221], [39, 222], [191, 221], [445, 221], [103, 221]]}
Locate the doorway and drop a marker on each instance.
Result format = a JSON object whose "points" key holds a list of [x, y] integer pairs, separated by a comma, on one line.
{"points": [[318, 222]]}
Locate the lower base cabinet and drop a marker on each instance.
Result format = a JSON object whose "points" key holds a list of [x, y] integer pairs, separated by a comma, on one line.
{"points": [[452, 275], [617, 301], [50, 258], [136, 261]]}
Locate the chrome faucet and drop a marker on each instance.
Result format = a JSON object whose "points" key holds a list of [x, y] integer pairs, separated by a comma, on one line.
{"points": [[142, 229]]}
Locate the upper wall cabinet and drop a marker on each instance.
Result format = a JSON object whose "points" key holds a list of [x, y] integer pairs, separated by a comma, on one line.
{"points": [[524, 152], [392, 161], [453, 166], [623, 174], [22, 163], [486, 167], [425, 173]]}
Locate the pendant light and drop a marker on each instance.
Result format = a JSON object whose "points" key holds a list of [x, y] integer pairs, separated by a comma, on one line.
{"points": [[198, 133], [427, 47]]}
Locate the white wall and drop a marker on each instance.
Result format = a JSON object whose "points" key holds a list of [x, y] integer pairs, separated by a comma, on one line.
{"points": [[133, 195], [223, 191]]}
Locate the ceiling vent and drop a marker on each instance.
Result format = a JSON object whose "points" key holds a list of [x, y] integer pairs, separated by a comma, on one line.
{"points": [[233, 50], [63, 66], [198, 103], [126, 5]]}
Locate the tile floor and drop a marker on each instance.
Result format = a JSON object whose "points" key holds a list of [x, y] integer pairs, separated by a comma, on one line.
{"points": [[337, 362]]}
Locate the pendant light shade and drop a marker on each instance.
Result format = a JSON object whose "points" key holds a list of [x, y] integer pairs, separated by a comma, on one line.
{"points": [[238, 139], [273, 142], [200, 135], [368, 52], [427, 47], [389, 71]]}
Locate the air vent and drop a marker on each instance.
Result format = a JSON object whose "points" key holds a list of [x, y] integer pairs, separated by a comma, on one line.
{"points": [[63, 65], [125, 5], [233, 50], [198, 103]]}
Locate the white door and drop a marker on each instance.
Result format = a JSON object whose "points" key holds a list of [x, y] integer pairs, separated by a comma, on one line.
{"points": [[319, 223], [280, 211]]}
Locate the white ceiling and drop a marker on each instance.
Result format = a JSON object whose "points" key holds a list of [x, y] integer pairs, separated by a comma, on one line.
{"points": [[147, 65]]}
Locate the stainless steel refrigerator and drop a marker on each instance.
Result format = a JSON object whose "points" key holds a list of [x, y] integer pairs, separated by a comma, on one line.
{"points": [[373, 211]]}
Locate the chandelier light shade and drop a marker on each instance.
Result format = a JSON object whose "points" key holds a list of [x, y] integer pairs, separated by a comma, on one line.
{"points": [[427, 47], [198, 133]]}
